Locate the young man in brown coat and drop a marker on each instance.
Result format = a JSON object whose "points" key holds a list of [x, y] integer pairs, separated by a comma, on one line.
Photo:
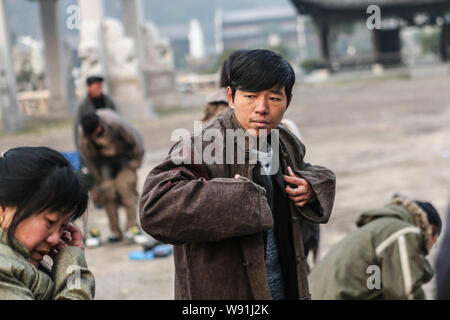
{"points": [[235, 221], [112, 150]]}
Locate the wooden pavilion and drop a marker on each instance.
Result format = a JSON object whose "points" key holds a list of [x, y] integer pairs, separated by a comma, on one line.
{"points": [[386, 42]]}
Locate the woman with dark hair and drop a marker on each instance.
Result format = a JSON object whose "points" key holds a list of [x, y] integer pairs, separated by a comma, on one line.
{"points": [[40, 195]]}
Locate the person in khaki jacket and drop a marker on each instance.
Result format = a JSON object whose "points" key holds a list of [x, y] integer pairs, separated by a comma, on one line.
{"points": [[385, 258], [235, 224], [39, 197], [112, 150]]}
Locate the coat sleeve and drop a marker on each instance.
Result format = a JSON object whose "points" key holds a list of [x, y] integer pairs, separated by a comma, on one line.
{"points": [[73, 280], [87, 153], [404, 268], [13, 289], [323, 183], [132, 138], [180, 204]]}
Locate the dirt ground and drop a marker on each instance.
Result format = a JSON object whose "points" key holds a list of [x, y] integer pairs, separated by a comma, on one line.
{"points": [[379, 136]]}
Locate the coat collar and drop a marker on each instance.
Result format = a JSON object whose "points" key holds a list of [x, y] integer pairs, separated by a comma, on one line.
{"points": [[229, 121], [15, 244]]}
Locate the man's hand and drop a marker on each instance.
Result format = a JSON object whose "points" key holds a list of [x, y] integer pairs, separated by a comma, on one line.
{"points": [[303, 193]]}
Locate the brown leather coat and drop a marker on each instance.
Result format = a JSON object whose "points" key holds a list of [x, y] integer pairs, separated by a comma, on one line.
{"points": [[217, 222]]}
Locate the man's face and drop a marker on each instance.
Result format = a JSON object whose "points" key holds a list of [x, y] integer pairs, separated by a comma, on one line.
{"points": [[95, 90], [259, 110]]}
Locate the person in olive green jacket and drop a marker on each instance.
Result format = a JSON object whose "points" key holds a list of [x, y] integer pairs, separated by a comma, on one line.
{"points": [[41, 251], [384, 259]]}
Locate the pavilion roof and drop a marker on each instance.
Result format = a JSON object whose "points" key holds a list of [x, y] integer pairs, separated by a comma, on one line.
{"points": [[361, 4], [357, 8]]}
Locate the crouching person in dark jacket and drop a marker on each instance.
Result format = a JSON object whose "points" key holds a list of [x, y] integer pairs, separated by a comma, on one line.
{"points": [[234, 213]]}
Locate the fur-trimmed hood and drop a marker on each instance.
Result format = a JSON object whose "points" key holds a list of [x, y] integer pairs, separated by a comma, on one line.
{"points": [[403, 209]]}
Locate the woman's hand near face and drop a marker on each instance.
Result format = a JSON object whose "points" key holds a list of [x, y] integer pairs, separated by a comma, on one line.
{"points": [[74, 236], [71, 236]]}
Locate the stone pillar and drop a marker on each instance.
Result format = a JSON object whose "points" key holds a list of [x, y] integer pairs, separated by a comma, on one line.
{"points": [[133, 21], [323, 29], [9, 112], [301, 38], [445, 42], [91, 49], [387, 46], [196, 43], [55, 63], [91, 10], [218, 21]]}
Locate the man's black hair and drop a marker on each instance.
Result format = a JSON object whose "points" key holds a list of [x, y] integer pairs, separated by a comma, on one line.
{"points": [[37, 179], [259, 70], [93, 79], [432, 214], [226, 67], [90, 122]]}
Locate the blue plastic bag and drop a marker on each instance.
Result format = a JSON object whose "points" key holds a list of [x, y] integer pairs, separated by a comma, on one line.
{"points": [[141, 255], [74, 159], [162, 250]]}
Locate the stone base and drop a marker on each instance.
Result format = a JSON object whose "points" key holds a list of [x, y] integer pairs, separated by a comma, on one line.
{"points": [[160, 87]]}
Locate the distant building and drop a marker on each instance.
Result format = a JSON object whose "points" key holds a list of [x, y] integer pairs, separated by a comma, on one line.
{"points": [[258, 28]]}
